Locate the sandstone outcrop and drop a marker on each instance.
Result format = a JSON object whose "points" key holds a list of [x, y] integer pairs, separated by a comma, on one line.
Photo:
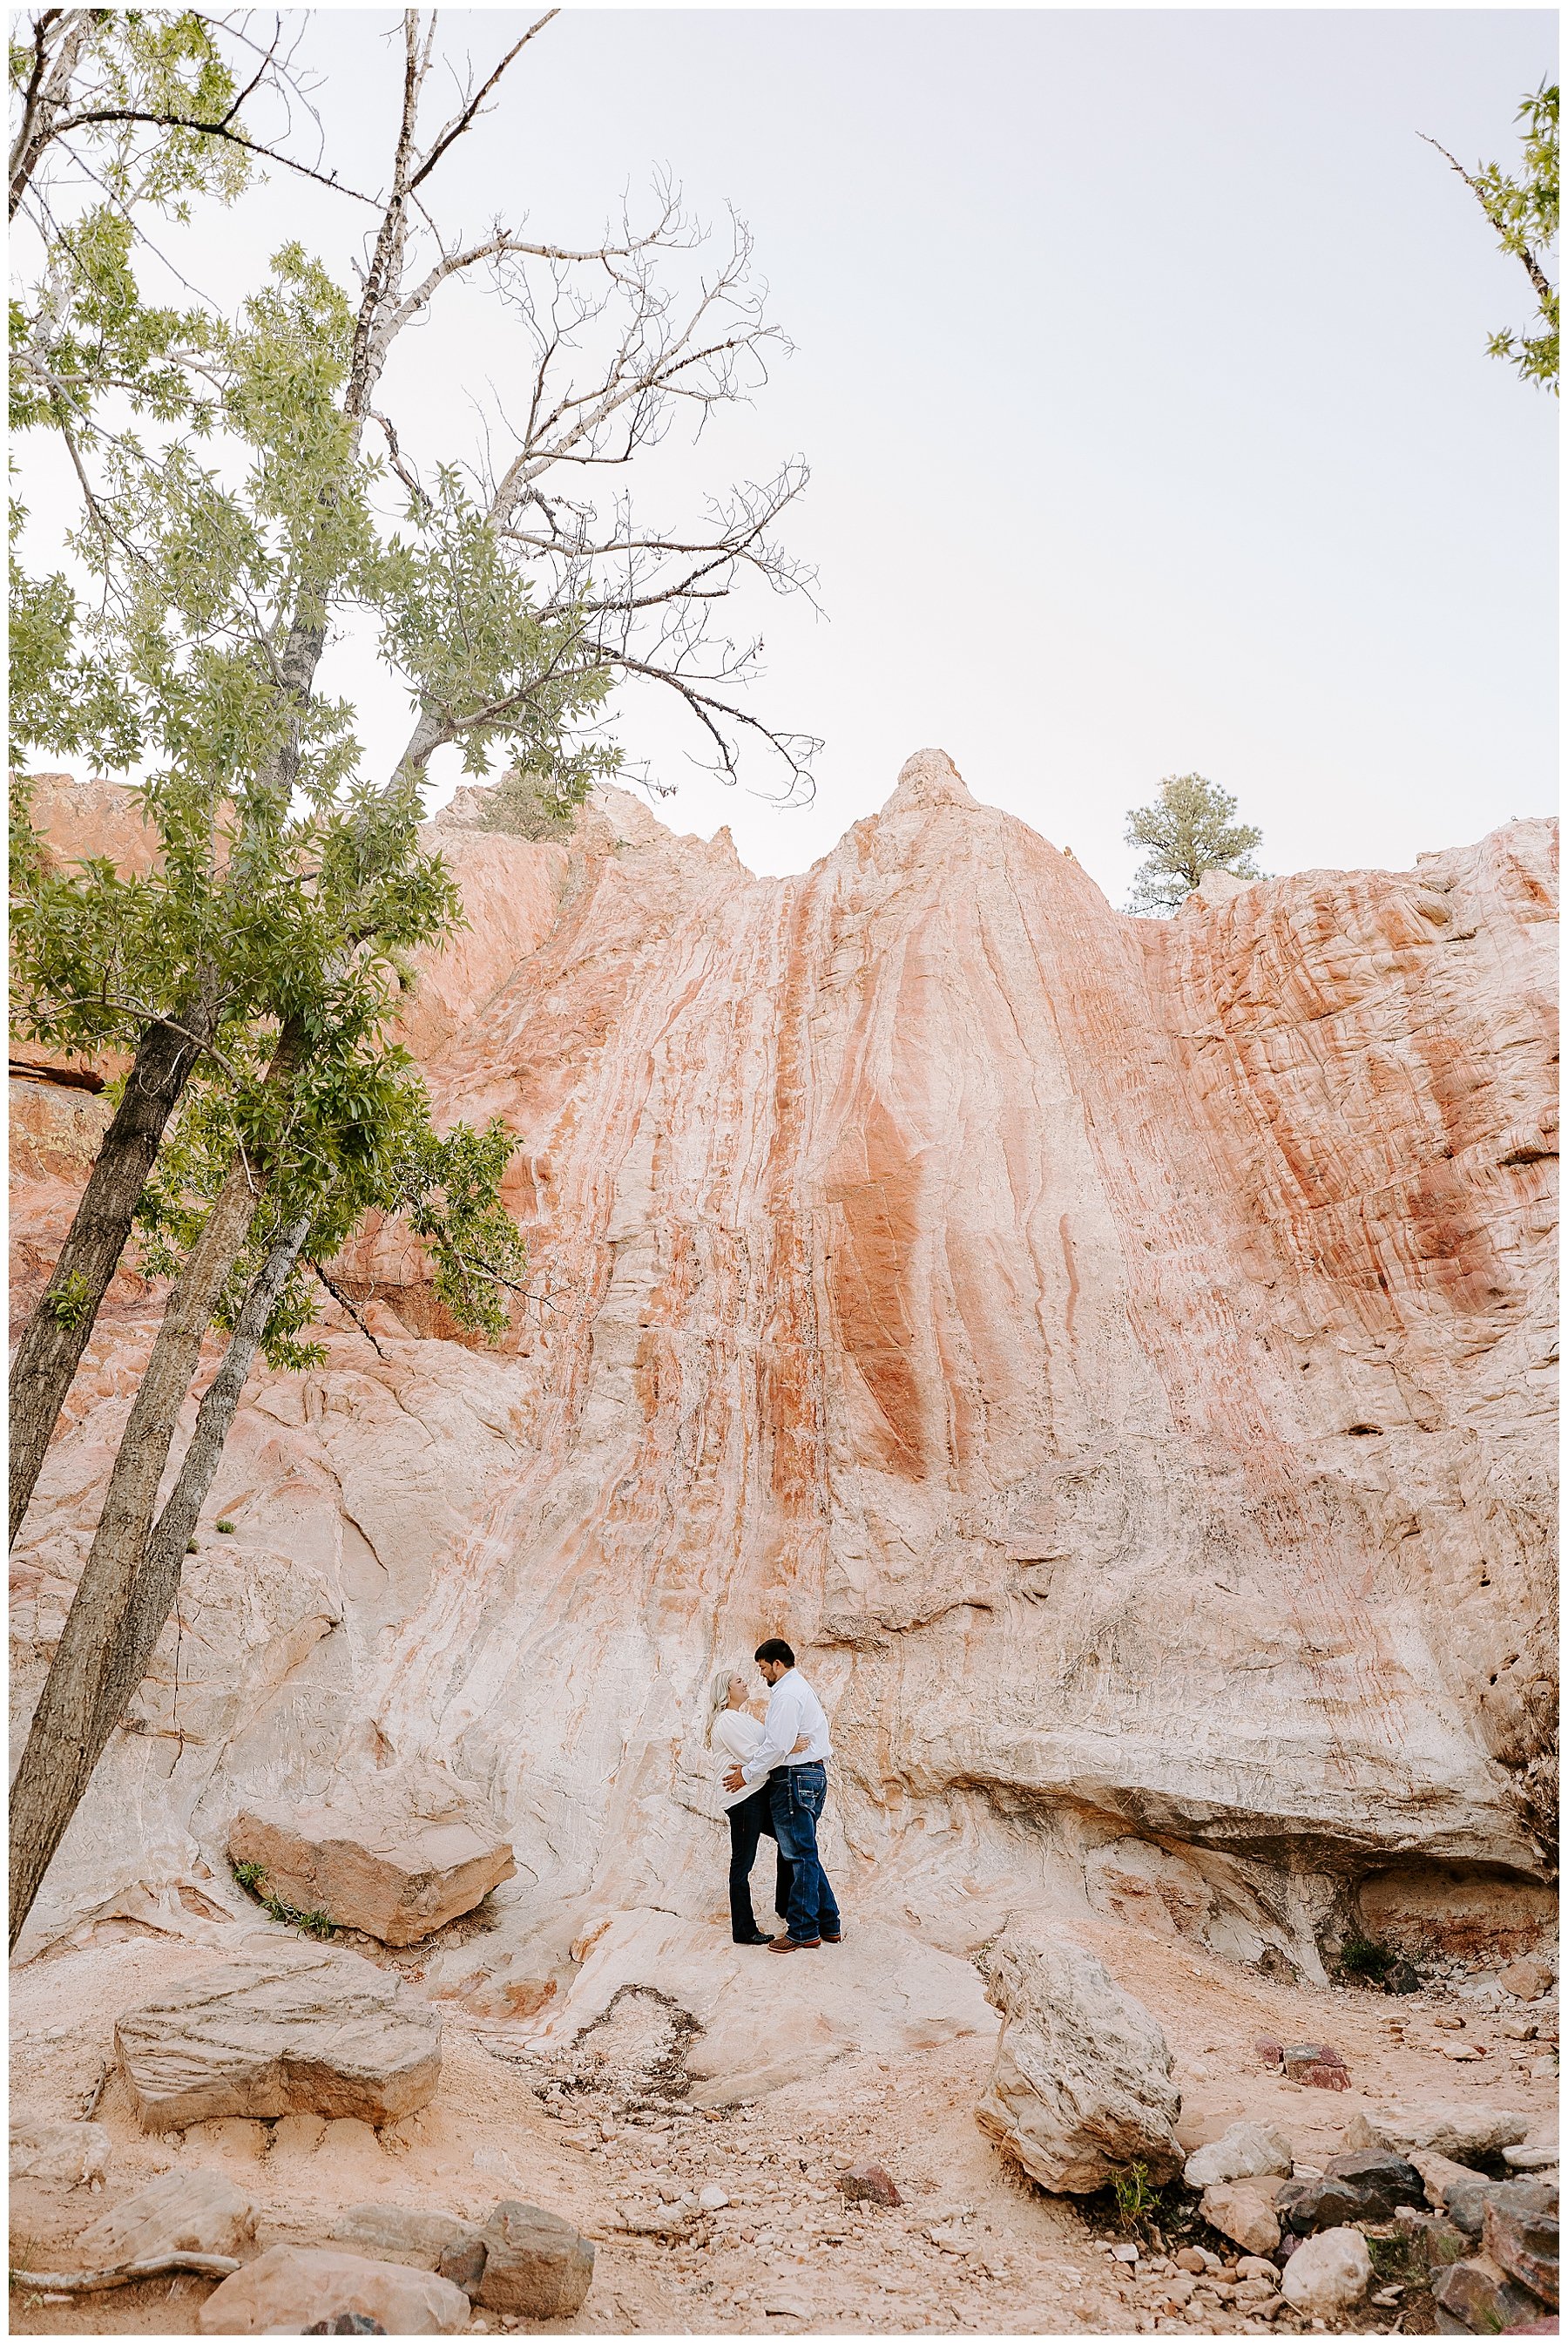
{"points": [[289, 2029], [397, 1853], [1117, 1352], [1081, 2086], [289, 2288]]}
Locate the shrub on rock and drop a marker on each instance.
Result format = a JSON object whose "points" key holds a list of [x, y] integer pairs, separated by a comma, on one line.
{"points": [[1081, 2085]]}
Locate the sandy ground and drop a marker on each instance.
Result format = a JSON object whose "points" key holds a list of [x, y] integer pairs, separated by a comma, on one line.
{"points": [[594, 2133]]}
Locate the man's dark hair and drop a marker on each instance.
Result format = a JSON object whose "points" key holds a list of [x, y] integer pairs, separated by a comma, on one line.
{"points": [[774, 1648]]}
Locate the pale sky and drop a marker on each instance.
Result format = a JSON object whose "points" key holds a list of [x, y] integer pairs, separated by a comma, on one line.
{"points": [[1140, 365]]}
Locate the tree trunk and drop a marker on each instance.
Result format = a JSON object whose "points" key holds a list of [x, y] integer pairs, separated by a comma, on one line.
{"points": [[52, 1344], [65, 1740], [156, 1582]]}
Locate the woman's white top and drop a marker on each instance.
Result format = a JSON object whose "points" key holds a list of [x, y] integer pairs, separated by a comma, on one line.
{"points": [[736, 1734]]}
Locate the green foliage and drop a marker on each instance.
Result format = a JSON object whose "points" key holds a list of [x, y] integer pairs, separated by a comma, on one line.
{"points": [[1361, 1957], [252, 1879], [1189, 830], [1523, 211], [226, 1528], [71, 1301], [249, 1875], [524, 806], [1137, 2198]]}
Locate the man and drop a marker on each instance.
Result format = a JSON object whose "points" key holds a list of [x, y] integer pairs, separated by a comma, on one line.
{"points": [[797, 1782]]}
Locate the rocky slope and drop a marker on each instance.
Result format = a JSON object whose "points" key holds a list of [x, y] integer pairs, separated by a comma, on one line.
{"points": [[1117, 1352]]}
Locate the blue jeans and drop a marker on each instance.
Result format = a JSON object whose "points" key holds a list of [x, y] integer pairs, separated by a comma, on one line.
{"points": [[797, 1795]]}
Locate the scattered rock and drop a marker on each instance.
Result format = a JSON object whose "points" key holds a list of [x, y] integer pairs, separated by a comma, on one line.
{"points": [[1327, 2274], [1192, 2259], [868, 2184], [429, 2241], [535, 2264], [711, 2198], [301, 2029], [50, 2151], [1524, 2245], [1363, 2186], [1318, 2064], [1530, 2159], [1460, 2050], [1401, 1979], [1465, 2200], [1362, 2133], [1447, 2018], [287, 2286], [1528, 1979], [1432, 2238], [1481, 2295], [397, 1853], [1081, 2085], [1242, 2210], [199, 2213], [1245, 2148], [1458, 2133], [1256, 2267]]}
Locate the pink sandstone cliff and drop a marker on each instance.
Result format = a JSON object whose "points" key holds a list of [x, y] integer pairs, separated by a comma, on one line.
{"points": [[1119, 1353]]}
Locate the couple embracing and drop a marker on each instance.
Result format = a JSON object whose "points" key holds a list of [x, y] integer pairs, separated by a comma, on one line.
{"points": [[775, 1784]]}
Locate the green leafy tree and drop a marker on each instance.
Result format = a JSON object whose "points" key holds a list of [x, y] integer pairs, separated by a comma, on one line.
{"points": [[1524, 212], [242, 495], [1190, 828]]}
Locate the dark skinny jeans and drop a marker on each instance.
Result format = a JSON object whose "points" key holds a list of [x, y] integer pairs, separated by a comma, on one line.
{"points": [[750, 1821]]}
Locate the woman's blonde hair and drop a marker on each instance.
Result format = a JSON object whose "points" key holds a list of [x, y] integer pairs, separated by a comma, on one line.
{"points": [[718, 1695]]}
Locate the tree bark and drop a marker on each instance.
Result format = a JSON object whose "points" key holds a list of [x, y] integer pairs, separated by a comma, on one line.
{"points": [[68, 1734], [158, 1579], [52, 1345]]}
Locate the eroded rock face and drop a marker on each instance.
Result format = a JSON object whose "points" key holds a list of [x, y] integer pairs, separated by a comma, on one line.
{"points": [[1081, 2086], [1115, 1352], [290, 2029], [396, 1855]]}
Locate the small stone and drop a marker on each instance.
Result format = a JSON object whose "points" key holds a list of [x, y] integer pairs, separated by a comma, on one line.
{"points": [[1449, 2018], [1257, 2267], [1459, 2050], [1465, 2201], [868, 2184], [1530, 2157], [52, 2150], [1432, 2238], [287, 2286], [1316, 2066], [1241, 2210], [1362, 2133], [1177, 2288], [1190, 2259], [712, 2198], [1387, 2297], [1244, 2150], [535, 2264], [1365, 2187], [1327, 2274], [1481, 2294], [200, 2213], [1124, 2254], [1524, 2245], [1528, 1979], [1544, 2070], [1270, 2053]]}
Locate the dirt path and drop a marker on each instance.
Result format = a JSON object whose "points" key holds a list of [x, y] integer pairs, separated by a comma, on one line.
{"points": [[596, 2132]]}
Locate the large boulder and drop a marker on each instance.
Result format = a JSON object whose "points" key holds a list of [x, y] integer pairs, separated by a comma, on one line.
{"points": [[288, 2289], [1080, 2086], [296, 2028], [397, 1853], [199, 2213], [536, 2265], [1328, 2274]]}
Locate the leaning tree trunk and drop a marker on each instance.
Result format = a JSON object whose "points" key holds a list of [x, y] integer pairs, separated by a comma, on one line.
{"points": [[70, 1726], [57, 1334], [158, 1579]]}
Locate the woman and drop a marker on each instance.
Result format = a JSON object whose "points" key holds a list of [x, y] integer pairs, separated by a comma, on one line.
{"points": [[733, 1731]]}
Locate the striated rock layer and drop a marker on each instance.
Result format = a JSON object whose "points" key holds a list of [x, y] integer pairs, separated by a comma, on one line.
{"points": [[1118, 1353]]}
